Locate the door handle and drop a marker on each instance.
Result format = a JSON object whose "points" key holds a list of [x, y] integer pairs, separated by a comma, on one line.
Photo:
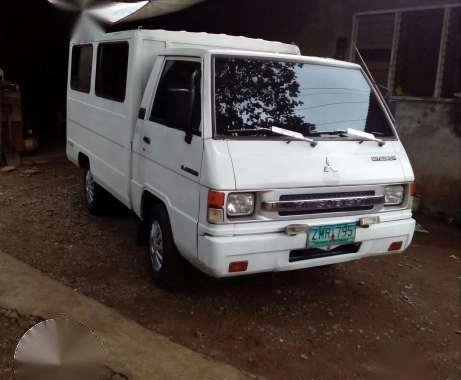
{"points": [[190, 171], [146, 140]]}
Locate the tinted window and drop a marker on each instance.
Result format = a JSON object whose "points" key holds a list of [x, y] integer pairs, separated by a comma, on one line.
{"points": [[112, 68], [82, 59], [306, 98], [178, 95]]}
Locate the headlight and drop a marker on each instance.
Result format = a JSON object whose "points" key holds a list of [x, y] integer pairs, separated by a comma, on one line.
{"points": [[393, 195], [240, 204]]}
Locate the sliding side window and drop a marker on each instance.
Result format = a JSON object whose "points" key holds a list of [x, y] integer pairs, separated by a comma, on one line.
{"points": [[82, 62], [112, 70]]}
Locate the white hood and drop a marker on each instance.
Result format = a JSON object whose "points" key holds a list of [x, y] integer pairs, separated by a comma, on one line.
{"points": [[276, 164]]}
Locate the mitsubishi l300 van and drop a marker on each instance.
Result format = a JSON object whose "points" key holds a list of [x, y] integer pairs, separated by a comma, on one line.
{"points": [[238, 155]]}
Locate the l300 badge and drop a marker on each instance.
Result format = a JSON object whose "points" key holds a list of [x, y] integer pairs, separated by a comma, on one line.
{"points": [[384, 158]]}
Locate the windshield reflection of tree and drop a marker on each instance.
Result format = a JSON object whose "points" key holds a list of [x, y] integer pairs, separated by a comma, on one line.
{"points": [[254, 94]]}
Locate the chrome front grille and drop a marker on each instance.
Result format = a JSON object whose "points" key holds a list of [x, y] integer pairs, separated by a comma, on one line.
{"points": [[321, 203], [337, 194]]}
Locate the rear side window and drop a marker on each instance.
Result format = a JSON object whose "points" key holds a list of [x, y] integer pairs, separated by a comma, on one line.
{"points": [[82, 61], [111, 70], [178, 77]]}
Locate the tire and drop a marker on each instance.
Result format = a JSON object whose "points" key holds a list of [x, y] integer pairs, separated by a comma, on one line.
{"points": [[166, 263], [95, 195]]}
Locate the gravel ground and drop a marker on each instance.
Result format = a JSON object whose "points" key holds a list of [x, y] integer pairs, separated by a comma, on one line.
{"points": [[385, 318]]}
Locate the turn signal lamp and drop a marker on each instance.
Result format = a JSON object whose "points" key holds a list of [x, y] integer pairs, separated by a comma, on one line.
{"points": [[216, 201]]}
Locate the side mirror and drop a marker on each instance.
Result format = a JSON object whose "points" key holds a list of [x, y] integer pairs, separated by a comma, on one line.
{"points": [[183, 103]]}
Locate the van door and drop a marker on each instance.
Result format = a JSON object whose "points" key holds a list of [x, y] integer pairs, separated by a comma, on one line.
{"points": [[164, 162]]}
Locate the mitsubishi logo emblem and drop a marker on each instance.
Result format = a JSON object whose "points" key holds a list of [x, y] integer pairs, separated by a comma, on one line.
{"points": [[329, 168]]}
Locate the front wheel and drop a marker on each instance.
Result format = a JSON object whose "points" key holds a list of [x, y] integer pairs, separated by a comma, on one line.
{"points": [[166, 263], [95, 195]]}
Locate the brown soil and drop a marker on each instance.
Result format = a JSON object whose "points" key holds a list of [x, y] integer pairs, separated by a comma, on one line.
{"points": [[371, 319]]}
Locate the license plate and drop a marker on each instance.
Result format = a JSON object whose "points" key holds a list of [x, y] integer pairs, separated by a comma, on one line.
{"points": [[331, 235]]}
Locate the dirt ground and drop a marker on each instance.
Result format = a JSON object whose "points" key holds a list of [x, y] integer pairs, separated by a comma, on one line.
{"points": [[395, 317]]}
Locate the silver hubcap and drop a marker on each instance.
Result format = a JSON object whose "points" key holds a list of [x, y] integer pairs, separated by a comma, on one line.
{"points": [[156, 246], [89, 187]]}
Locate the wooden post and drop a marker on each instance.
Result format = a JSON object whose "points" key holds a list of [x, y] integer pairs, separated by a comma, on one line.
{"points": [[442, 53], [394, 53]]}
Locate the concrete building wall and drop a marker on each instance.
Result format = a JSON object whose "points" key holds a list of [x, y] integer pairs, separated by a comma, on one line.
{"points": [[431, 133]]}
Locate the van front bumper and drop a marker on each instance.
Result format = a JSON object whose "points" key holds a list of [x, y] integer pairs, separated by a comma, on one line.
{"points": [[270, 252]]}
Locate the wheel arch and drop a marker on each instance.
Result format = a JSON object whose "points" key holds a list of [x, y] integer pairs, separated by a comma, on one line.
{"points": [[148, 200], [83, 161]]}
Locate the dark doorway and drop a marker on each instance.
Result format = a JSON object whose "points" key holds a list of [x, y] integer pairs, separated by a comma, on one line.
{"points": [[34, 52]]}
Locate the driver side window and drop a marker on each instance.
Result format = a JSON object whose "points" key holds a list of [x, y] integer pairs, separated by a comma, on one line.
{"points": [[177, 103]]}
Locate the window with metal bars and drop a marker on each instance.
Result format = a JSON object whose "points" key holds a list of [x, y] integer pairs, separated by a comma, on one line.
{"points": [[412, 52]]}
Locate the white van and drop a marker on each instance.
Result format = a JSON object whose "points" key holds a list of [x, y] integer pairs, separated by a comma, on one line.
{"points": [[239, 155]]}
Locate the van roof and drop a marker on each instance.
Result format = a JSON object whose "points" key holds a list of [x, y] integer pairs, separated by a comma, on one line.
{"points": [[88, 31], [221, 41]]}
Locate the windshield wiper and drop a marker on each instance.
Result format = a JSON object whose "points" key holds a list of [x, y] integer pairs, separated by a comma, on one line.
{"points": [[363, 136], [293, 134], [277, 131]]}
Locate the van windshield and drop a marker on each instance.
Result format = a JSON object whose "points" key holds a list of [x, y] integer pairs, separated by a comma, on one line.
{"points": [[252, 95]]}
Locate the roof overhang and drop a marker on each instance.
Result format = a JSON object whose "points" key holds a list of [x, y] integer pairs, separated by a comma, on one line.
{"points": [[113, 12]]}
